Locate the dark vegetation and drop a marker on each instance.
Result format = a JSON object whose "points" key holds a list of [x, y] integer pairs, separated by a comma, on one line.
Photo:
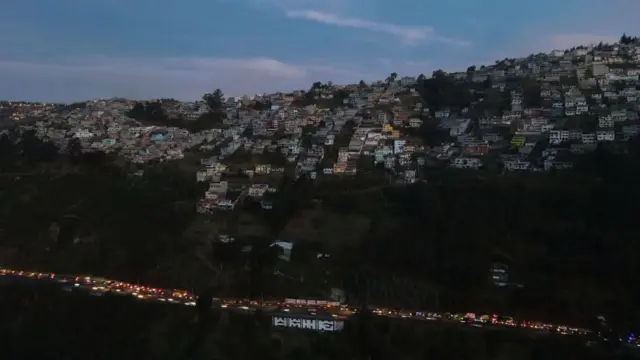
{"points": [[568, 237], [153, 113], [626, 39], [313, 96], [87, 211]]}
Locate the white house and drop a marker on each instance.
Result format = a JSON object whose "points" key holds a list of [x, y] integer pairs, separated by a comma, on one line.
{"points": [[285, 248]]}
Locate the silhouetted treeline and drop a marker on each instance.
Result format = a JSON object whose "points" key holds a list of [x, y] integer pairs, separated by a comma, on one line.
{"points": [[86, 211], [152, 113], [568, 238]]}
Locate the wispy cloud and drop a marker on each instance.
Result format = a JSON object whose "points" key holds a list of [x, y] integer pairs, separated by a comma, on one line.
{"points": [[180, 78], [409, 35], [332, 6]]}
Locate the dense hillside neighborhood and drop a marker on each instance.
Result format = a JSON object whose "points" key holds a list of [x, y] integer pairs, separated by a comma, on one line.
{"points": [[528, 114]]}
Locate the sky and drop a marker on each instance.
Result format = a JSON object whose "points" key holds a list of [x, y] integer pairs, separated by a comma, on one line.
{"points": [[71, 50]]}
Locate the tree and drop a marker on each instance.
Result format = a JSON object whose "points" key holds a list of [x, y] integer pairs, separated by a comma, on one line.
{"points": [[432, 135], [362, 84], [214, 100], [35, 150], [260, 105], [531, 93], [471, 69], [154, 112], [440, 91], [624, 39], [340, 95], [138, 111], [9, 152], [74, 147], [392, 77], [438, 74], [487, 83]]}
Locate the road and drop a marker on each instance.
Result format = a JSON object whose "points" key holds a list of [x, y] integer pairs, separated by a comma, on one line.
{"points": [[292, 307]]}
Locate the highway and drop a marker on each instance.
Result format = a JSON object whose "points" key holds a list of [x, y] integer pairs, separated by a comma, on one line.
{"points": [[288, 307]]}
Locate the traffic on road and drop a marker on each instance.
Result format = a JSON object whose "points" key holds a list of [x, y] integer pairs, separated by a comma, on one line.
{"points": [[97, 286]]}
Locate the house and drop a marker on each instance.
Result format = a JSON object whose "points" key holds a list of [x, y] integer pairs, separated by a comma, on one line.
{"points": [[558, 161], [558, 136], [492, 137], [605, 135], [466, 163], [257, 190], [225, 204], [517, 165], [459, 127], [588, 138], [202, 176], [329, 140], [284, 249], [221, 187], [410, 176], [262, 169], [415, 123], [475, 148], [83, 134], [266, 204], [442, 114], [606, 121], [518, 140], [499, 274], [226, 239], [158, 137]]}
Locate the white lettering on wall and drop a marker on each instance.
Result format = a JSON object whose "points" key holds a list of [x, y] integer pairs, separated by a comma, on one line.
{"points": [[309, 324], [324, 325], [306, 323], [311, 302], [279, 321]]}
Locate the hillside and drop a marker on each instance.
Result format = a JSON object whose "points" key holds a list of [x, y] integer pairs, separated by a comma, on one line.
{"points": [[415, 188]]}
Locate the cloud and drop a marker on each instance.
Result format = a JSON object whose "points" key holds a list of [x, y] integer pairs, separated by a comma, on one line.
{"points": [[566, 41], [409, 35], [101, 77], [332, 6]]}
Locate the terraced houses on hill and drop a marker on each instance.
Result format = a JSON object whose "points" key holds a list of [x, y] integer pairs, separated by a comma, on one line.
{"points": [[555, 107]]}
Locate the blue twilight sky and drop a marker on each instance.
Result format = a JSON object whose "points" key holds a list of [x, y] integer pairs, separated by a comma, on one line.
{"points": [[63, 50]]}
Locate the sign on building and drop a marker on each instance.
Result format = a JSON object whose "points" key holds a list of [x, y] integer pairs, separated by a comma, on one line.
{"points": [[307, 323], [311, 302]]}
